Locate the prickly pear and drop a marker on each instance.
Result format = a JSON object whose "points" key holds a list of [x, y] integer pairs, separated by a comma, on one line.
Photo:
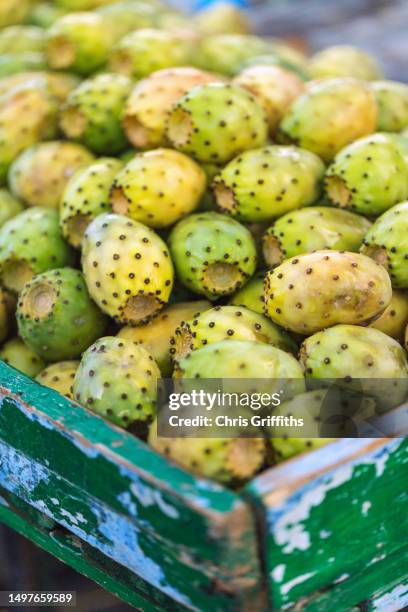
{"points": [[392, 100], [17, 354], [9, 206], [344, 61], [60, 377]]}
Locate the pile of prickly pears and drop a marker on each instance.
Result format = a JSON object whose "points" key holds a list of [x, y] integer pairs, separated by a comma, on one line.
{"points": [[180, 197]]}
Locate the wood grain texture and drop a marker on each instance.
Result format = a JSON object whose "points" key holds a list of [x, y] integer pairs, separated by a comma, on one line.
{"points": [[189, 538], [334, 522]]}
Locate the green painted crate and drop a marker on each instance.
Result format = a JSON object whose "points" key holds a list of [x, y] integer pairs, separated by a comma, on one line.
{"points": [[323, 532]]}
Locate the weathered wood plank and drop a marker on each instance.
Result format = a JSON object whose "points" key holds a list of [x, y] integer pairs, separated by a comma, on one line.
{"points": [[113, 492], [45, 533], [328, 517]]}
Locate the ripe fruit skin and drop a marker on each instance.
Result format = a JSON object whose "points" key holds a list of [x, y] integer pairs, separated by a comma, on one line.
{"points": [[228, 323], [79, 42], [158, 187], [353, 353], [240, 359], [330, 115], [392, 100], [21, 39], [225, 53], [307, 406], [60, 377], [56, 317], [313, 229], [142, 52], [151, 101], [387, 243], [318, 290], [40, 174], [274, 87], [117, 379], [28, 114], [156, 336], [251, 295], [369, 176], [93, 111], [213, 254], [228, 461], [86, 196], [260, 185], [127, 268], [344, 61], [17, 354], [31, 243], [235, 123], [9, 206], [394, 319]]}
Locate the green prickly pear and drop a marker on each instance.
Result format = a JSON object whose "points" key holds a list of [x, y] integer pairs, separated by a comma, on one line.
{"points": [[9, 206], [86, 196], [392, 100], [313, 229], [44, 14], [92, 113], [31, 243], [263, 184], [227, 323], [17, 354], [56, 317], [151, 101], [394, 319], [14, 12], [229, 460], [142, 52], [156, 335], [213, 254], [16, 63], [369, 176], [158, 188], [127, 267], [225, 53], [40, 174], [344, 61], [128, 15], [387, 243], [60, 377], [216, 122], [251, 295], [79, 42], [330, 115], [21, 39], [274, 87], [318, 290], [117, 378]]}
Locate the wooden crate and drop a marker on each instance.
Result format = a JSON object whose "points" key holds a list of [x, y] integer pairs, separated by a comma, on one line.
{"points": [[325, 531]]}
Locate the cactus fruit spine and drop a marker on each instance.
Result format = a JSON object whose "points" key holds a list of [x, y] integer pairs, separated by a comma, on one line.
{"points": [[40, 174], [56, 317], [60, 377], [9, 206], [274, 87], [344, 61], [31, 243], [394, 319], [127, 268], [158, 187], [228, 461], [79, 42], [387, 243], [86, 196], [156, 336], [317, 290], [369, 176], [330, 115], [263, 184], [213, 255], [17, 354], [151, 101], [313, 229], [117, 378], [142, 52], [92, 113], [228, 323], [392, 100], [216, 122]]}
